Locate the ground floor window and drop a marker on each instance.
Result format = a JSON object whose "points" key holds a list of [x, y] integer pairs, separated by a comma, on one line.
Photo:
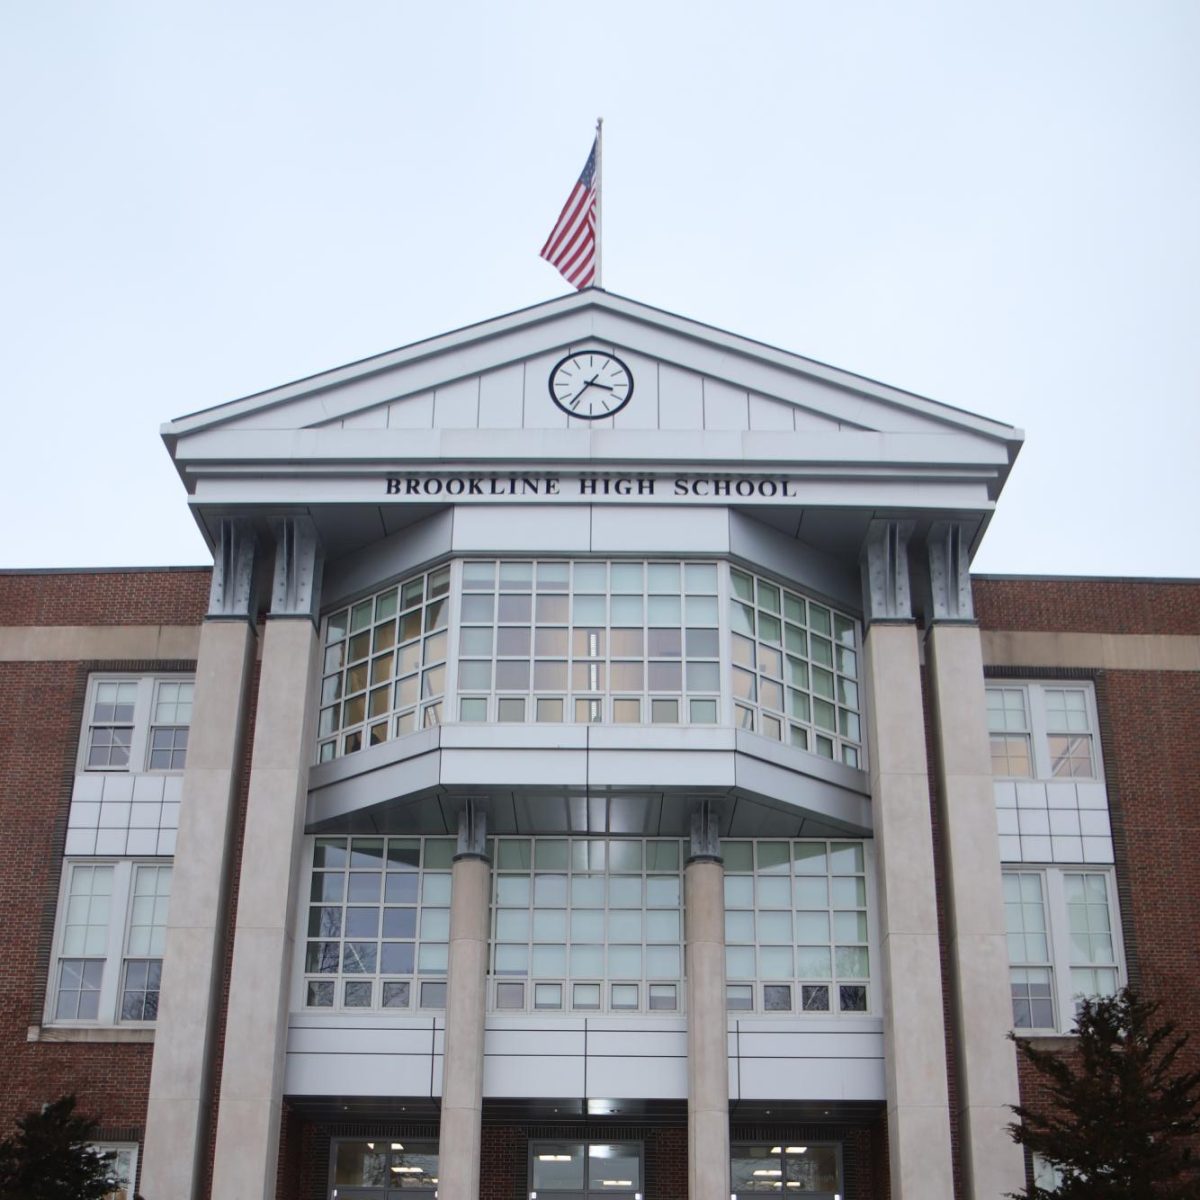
{"points": [[384, 1168], [121, 1160], [562, 1169], [793, 1169]]}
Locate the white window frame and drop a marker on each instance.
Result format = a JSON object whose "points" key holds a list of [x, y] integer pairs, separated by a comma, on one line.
{"points": [[128, 1188], [1058, 931], [1038, 730], [115, 950], [141, 725]]}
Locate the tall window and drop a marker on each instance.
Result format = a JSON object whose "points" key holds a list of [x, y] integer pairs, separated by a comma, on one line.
{"points": [[378, 923], [587, 925], [138, 724], [795, 669], [385, 665], [796, 926], [110, 941], [622, 642], [1063, 943]]}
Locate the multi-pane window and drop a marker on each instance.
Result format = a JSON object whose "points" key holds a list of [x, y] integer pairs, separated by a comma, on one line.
{"points": [[385, 665], [378, 923], [795, 669], [385, 1163], [120, 1159], [1043, 731], [564, 1169], [783, 1169], [110, 940], [621, 642], [1062, 943], [587, 924], [796, 926], [137, 724]]}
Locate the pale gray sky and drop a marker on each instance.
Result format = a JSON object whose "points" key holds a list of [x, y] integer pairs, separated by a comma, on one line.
{"points": [[994, 205]]}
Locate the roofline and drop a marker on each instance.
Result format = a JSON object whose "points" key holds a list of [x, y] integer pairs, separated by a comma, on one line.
{"points": [[1190, 580], [545, 310]]}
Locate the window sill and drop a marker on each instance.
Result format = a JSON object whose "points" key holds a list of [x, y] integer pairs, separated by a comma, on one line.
{"points": [[1046, 1039], [101, 1033]]}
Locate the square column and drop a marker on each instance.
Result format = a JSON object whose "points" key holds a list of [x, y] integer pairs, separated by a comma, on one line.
{"points": [[993, 1164], [707, 1022], [180, 1099], [466, 993], [913, 1028], [256, 1023]]}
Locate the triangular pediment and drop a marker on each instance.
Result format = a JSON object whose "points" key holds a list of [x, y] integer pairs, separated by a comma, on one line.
{"points": [[688, 377]]}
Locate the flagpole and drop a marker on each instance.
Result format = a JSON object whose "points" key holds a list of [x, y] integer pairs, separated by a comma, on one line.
{"points": [[599, 196]]}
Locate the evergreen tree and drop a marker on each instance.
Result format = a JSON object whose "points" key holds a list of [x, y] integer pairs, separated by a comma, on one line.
{"points": [[50, 1159], [1120, 1114]]}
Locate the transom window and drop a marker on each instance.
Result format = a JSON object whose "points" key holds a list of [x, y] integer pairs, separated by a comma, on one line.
{"points": [[563, 1169], [1063, 943], [383, 1166], [378, 923], [796, 926], [795, 669], [793, 1169], [587, 924]]}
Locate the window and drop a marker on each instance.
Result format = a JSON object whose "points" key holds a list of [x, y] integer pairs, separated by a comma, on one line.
{"points": [[122, 1160], [587, 925], [1063, 943], [378, 923], [112, 920], [795, 669], [579, 1168], [137, 724], [1043, 731], [797, 1169], [385, 1166], [796, 927]]}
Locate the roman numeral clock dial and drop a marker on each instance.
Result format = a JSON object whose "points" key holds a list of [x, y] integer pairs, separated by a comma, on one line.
{"points": [[590, 384]]}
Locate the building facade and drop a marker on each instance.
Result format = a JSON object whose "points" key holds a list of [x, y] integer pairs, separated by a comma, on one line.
{"points": [[588, 769]]}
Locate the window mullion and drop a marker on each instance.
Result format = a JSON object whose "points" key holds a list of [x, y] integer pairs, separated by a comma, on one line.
{"points": [[1037, 731], [118, 924], [1060, 947], [725, 643], [453, 633]]}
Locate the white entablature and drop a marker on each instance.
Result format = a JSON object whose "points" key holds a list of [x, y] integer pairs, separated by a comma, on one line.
{"points": [[476, 405]]}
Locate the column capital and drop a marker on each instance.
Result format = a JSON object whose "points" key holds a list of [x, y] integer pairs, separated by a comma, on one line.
{"points": [[296, 591], [472, 832], [887, 595], [948, 545], [705, 843], [232, 594]]}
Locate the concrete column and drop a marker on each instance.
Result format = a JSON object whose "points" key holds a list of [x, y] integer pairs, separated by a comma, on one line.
{"points": [[708, 1037], [256, 1022], [176, 1114], [993, 1165], [913, 1029], [466, 992]]}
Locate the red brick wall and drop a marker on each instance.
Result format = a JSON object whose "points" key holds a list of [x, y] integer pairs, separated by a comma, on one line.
{"points": [[1088, 605], [166, 596]]}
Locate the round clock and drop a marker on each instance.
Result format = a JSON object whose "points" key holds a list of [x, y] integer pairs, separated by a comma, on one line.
{"points": [[590, 384]]}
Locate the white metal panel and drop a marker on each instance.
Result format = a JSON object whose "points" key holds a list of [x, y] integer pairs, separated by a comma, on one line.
{"points": [[766, 413], [502, 398], [540, 412], [680, 399], [618, 528], [413, 412], [520, 528], [367, 418], [725, 407], [642, 1078], [642, 410], [532, 1075], [456, 405]]}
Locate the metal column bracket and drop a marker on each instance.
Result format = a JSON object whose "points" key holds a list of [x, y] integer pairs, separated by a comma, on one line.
{"points": [[472, 832], [886, 592], [298, 563], [232, 593], [950, 572], [705, 843]]}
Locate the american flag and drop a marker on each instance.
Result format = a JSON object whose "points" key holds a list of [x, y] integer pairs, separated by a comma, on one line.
{"points": [[571, 246]]}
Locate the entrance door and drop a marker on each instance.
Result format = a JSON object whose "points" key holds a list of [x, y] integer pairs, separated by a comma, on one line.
{"points": [[585, 1170]]}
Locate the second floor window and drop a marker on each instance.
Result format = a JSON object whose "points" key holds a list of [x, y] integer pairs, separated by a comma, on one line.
{"points": [[137, 724], [1042, 731]]}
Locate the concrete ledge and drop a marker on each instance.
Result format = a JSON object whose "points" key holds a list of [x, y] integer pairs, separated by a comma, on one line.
{"points": [[1114, 651], [110, 1034], [77, 643]]}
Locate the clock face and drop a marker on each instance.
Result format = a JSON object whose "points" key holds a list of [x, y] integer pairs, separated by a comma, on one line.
{"points": [[591, 384]]}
